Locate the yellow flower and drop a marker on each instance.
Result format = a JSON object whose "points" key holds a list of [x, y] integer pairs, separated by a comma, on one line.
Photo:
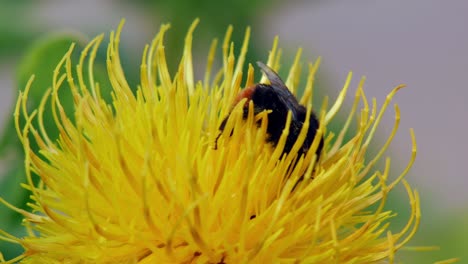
{"points": [[138, 179]]}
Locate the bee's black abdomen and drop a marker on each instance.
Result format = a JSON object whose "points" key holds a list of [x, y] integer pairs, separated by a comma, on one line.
{"points": [[265, 97], [277, 98], [279, 101]]}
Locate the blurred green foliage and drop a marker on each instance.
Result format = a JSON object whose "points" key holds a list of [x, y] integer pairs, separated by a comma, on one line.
{"points": [[216, 16], [41, 59]]}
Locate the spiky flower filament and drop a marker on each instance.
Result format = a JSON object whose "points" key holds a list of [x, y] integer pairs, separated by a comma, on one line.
{"points": [[137, 179]]}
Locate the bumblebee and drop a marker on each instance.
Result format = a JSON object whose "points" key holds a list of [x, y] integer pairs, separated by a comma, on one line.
{"points": [[279, 100]]}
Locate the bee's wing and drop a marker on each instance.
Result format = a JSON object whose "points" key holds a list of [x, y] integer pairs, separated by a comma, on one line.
{"points": [[280, 88]]}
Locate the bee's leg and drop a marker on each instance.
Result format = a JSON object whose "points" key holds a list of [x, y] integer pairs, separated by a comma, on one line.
{"points": [[221, 129]]}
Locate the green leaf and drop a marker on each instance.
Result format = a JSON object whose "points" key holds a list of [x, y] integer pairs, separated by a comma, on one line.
{"points": [[11, 192], [41, 60]]}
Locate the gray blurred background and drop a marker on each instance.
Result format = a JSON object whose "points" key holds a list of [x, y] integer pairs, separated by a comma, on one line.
{"points": [[422, 43]]}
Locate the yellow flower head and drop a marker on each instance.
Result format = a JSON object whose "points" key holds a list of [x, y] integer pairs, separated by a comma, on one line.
{"points": [[139, 180]]}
